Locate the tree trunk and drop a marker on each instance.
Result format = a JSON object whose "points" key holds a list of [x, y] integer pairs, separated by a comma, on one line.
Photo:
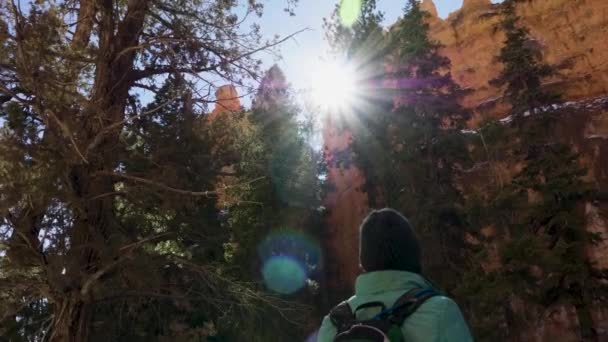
{"points": [[71, 321], [585, 319]]}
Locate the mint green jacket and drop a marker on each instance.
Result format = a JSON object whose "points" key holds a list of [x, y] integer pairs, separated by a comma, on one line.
{"points": [[437, 320]]}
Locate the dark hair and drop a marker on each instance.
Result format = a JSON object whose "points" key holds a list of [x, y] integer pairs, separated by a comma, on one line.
{"points": [[388, 242]]}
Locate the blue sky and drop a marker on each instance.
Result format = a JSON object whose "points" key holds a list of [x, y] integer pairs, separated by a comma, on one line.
{"points": [[300, 54]]}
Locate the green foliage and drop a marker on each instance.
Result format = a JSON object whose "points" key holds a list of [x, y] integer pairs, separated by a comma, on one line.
{"points": [[32, 318], [290, 160], [285, 199], [542, 238], [411, 41], [408, 144], [523, 67], [362, 41], [421, 73], [113, 213]]}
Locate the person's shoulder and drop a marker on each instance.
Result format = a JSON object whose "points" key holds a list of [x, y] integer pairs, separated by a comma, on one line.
{"points": [[443, 305], [438, 303], [438, 308], [327, 331], [447, 319], [437, 319], [442, 299]]}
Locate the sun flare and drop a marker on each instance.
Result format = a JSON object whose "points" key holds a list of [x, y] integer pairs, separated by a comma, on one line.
{"points": [[334, 86]]}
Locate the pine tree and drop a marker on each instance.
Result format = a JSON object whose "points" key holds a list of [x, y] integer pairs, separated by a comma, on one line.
{"points": [[279, 155], [363, 40], [418, 105], [421, 75], [407, 142], [523, 67], [105, 201], [525, 233], [286, 200], [536, 254], [276, 116], [427, 145]]}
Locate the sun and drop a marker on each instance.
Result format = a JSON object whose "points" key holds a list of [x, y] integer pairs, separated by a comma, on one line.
{"points": [[334, 85]]}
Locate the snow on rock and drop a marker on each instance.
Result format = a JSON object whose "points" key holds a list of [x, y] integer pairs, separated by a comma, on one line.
{"points": [[507, 119], [592, 104], [596, 103]]}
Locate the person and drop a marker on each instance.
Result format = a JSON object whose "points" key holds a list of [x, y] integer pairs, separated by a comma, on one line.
{"points": [[390, 257]]}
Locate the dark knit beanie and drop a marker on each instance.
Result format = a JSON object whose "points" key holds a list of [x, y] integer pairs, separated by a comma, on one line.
{"points": [[387, 241]]}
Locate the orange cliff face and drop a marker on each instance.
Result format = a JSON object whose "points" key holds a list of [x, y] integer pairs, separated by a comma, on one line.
{"points": [[571, 35], [347, 204]]}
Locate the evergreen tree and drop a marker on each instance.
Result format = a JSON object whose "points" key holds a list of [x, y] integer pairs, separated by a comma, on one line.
{"points": [[421, 74], [105, 202], [276, 115], [425, 144], [285, 201], [407, 142], [362, 40], [178, 271], [523, 67], [536, 251]]}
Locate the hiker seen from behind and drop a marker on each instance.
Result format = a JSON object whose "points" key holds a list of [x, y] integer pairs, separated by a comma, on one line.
{"points": [[393, 301]]}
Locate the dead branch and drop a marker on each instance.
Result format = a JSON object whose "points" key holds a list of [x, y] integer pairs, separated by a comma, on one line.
{"points": [[165, 187], [164, 69]]}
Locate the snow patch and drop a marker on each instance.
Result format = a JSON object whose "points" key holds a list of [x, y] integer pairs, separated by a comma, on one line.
{"points": [[597, 136], [508, 119], [595, 103]]}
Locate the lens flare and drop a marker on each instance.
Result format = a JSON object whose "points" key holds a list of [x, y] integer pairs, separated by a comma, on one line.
{"points": [[289, 259], [284, 275], [313, 337], [349, 11]]}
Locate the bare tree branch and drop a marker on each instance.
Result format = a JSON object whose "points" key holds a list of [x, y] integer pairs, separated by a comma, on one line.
{"points": [[165, 187], [164, 69]]}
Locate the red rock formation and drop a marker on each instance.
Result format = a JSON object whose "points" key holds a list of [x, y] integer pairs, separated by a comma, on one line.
{"points": [[429, 6], [227, 101], [570, 34], [348, 206], [468, 5]]}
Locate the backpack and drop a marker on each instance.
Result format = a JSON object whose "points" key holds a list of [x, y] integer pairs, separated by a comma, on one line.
{"points": [[383, 327]]}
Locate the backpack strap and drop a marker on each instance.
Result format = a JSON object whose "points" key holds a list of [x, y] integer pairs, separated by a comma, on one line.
{"points": [[406, 305], [342, 317]]}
